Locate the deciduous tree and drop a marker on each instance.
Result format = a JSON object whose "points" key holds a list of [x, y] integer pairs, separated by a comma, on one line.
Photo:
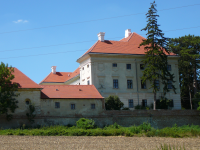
{"points": [[8, 103], [188, 48]]}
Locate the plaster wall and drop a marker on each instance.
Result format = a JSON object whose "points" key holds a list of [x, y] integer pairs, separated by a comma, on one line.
{"points": [[27, 94], [85, 72], [82, 107], [102, 74]]}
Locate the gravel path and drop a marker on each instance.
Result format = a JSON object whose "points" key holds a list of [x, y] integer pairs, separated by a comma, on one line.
{"points": [[99, 142]]}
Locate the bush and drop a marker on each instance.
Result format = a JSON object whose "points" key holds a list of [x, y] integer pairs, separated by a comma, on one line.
{"points": [[125, 108], [142, 107], [113, 103], [85, 123]]}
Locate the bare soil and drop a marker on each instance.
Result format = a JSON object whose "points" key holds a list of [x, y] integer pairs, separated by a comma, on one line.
{"points": [[97, 142]]}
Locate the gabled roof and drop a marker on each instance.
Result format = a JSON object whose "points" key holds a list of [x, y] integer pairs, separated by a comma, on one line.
{"points": [[61, 77], [129, 45], [23, 81], [69, 91]]}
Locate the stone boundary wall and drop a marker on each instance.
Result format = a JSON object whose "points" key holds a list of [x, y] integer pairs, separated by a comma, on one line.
{"points": [[157, 118]]}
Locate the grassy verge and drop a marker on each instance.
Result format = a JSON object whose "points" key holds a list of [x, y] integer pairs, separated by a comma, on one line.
{"points": [[144, 129]]}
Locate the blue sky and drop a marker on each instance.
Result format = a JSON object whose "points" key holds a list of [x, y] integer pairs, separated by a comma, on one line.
{"points": [[75, 24]]}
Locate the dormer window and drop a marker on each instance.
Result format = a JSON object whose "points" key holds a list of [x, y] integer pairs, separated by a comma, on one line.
{"points": [[114, 64]]}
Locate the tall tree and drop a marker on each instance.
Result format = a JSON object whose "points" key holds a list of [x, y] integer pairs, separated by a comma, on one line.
{"points": [[188, 48], [8, 103], [156, 55]]}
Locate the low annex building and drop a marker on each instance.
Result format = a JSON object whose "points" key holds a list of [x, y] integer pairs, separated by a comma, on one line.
{"points": [[56, 100], [116, 68]]}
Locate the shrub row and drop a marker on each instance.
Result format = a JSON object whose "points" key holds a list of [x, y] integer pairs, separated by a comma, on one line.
{"points": [[86, 127]]}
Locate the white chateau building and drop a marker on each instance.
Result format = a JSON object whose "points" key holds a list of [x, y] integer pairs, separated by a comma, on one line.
{"points": [[115, 68]]}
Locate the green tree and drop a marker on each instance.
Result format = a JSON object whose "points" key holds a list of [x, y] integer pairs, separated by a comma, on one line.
{"points": [[188, 48], [31, 115], [113, 103], [156, 55], [8, 103]]}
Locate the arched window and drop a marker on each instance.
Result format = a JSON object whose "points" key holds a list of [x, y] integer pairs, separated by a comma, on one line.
{"points": [[27, 101]]}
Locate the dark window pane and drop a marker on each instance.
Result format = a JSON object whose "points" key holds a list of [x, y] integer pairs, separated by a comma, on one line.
{"points": [[130, 103], [88, 82], [141, 66], [72, 106], [169, 84], [57, 104], [114, 64], [129, 84], [143, 85], [115, 83], [169, 67], [157, 84], [128, 66], [27, 102], [144, 102], [92, 106], [171, 103]]}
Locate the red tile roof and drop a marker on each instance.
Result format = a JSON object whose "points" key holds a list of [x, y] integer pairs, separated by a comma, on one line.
{"points": [[23, 81], [61, 77], [129, 45], [73, 74], [69, 91]]}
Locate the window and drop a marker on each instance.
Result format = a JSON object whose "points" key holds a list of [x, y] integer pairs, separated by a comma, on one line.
{"points": [[57, 104], [129, 84], [83, 68], [92, 106], [144, 102], [115, 83], [128, 66], [169, 84], [27, 102], [88, 82], [87, 66], [143, 85], [130, 103], [141, 66], [114, 64], [157, 84], [169, 67], [72, 106], [171, 103]]}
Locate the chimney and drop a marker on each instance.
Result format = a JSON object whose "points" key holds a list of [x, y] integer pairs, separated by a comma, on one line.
{"points": [[53, 68], [101, 36], [127, 33]]}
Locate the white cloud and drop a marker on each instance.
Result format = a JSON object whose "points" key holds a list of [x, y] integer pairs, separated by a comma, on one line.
{"points": [[21, 21]]}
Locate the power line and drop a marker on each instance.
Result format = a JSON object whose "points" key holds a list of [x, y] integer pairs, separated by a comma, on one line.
{"points": [[82, 41], [122, 46], [93, 20]]}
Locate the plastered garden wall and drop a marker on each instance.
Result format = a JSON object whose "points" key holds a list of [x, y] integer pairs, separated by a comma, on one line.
{"points": [[157, 118]]}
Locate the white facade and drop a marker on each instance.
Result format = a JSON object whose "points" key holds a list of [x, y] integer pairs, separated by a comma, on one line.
{"points": [[97, 69]]}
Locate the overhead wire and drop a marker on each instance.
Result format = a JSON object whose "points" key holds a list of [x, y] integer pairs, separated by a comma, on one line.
{"points": [[94, 20], [81, 41]]}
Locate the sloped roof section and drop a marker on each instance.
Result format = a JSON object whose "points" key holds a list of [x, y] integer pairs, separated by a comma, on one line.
{"points": [[61, 77], [23, 81], [74, 74], [129, 45], [58, 77], [69, 91]]}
